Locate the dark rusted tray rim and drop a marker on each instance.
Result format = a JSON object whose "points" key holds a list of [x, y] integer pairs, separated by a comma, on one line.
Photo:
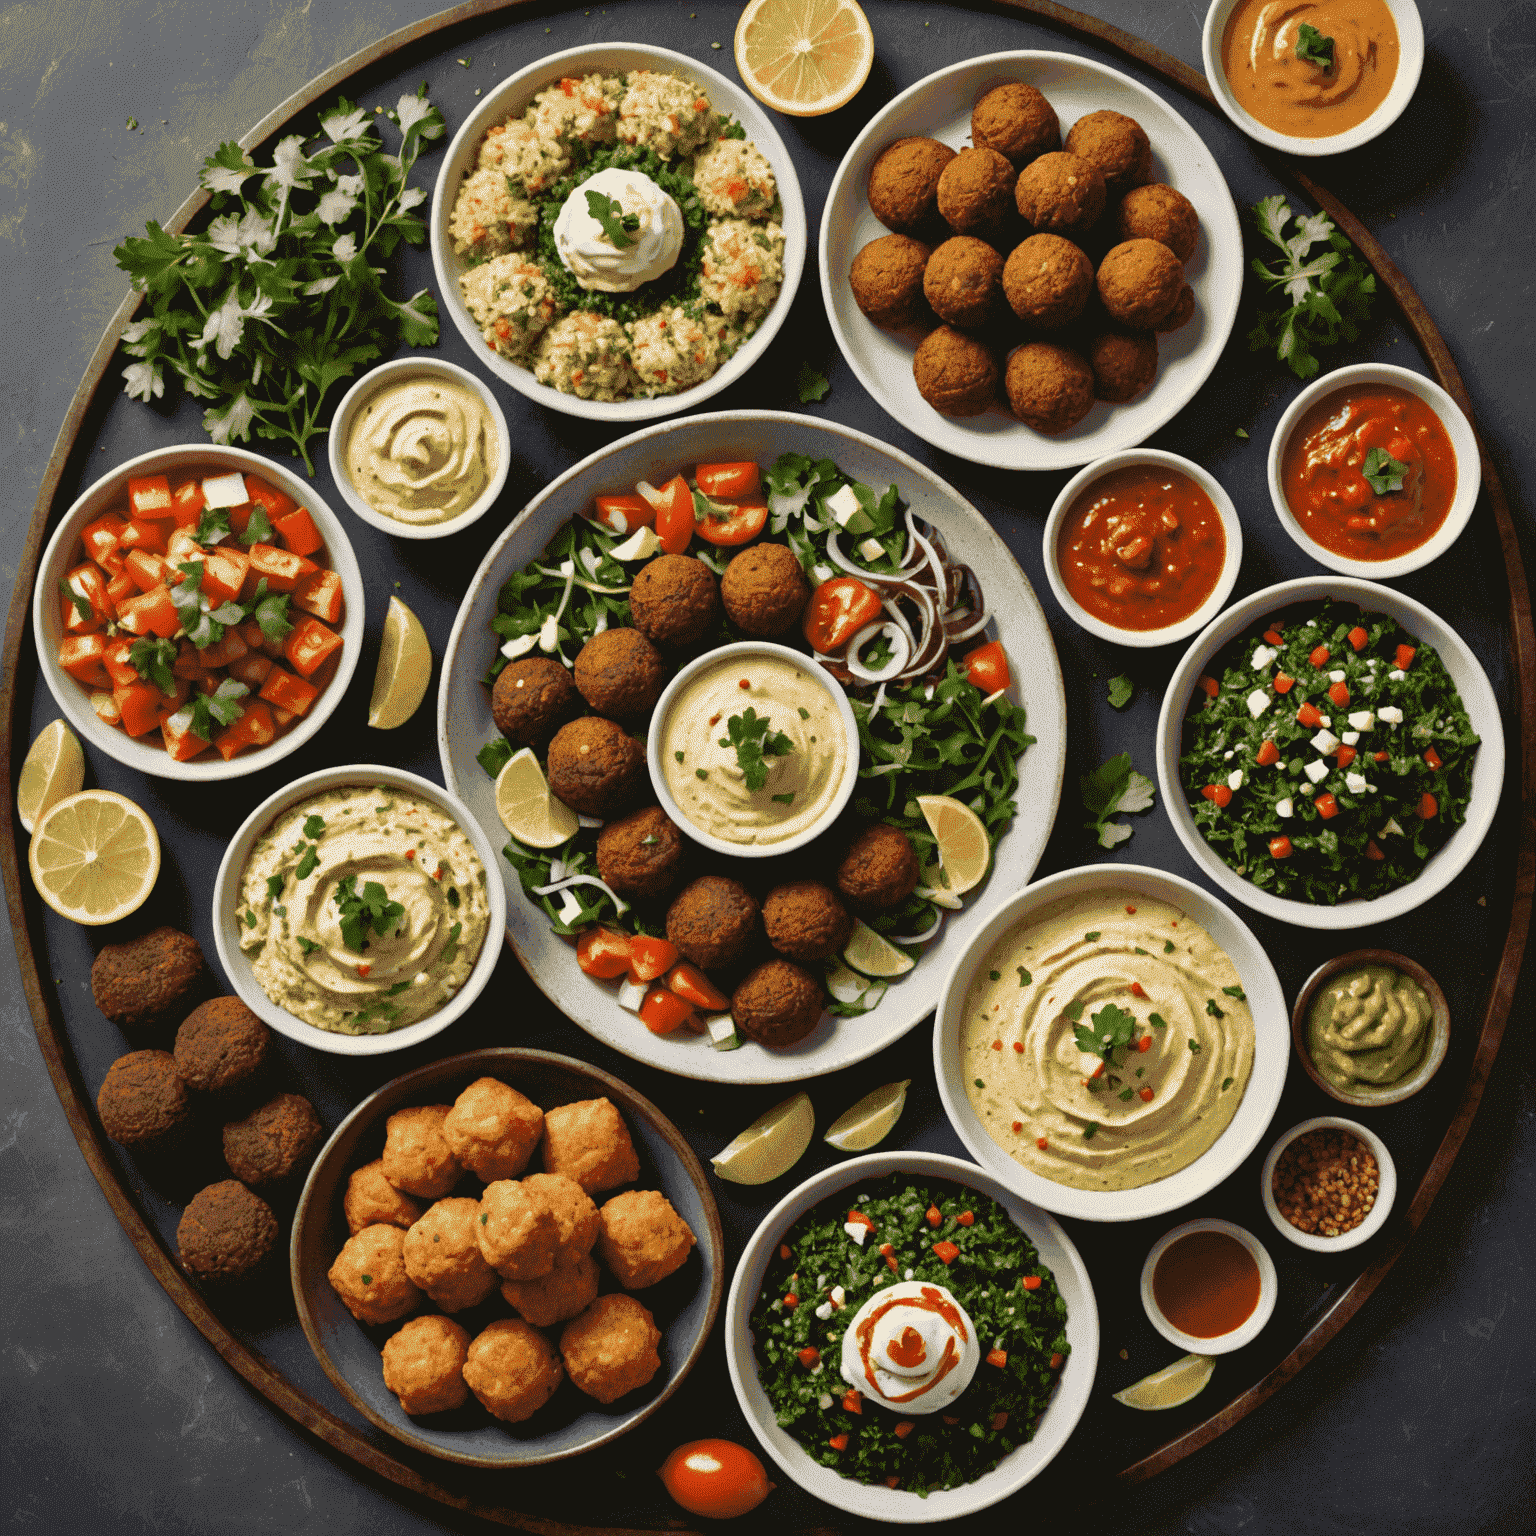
{"points": [[22, 904]]}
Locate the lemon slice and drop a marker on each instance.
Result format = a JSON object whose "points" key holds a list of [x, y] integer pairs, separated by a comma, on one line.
{"points": [[804, 57], [965, 855], [874, 956], [1171, 1386], [55, 767], [771, 1145], [871, 1120], [94, 857], [527, 809], [405, 669]]}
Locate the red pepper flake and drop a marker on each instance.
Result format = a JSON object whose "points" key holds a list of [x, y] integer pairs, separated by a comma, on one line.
{"points": [[947, 1419], [1327, 805], [1219, 794], [1432, 758], [838, 1442], [1057, 1362], [889, 1255], [1339, 693], [893, 1482], [1346, 754], [1041, 1142], [1030, 1282], [746, 682], [1358, 638], [1372, 852], [1280, 847], [410, 853], [1319, 656], [945, 1251], [1131, 910], [1098, 1071], [1380, 757], [1146, 1095], [1429, 807], [1405, 655], [905, 1428], [997, 1357], [1018, 1045], [1274, 637], [966, 1218], [1145, 1043], [1309, 714], [1137, 990], [1018, 1125], [1268, 753], [1210, 685], [783, 1250], [997, 1045], [791, 1300], [364, 968], [809, 1355], [999, 1421], [934, 1218], [859, 1219]]}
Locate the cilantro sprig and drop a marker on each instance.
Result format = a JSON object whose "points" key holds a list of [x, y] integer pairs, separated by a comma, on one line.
{"points": [[361, 911], [221, 707], [1382, 472], [749, 734], [153, 659], [1108, 1030], [617, 225], [1114, 789], [1312, 47]]}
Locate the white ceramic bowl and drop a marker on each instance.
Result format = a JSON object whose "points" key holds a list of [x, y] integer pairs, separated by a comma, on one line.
{"points": [[1143, 639], [227, 903], [1252, 1325], [1271, 1053], [397, 372], [1386, 1186], [1021, 1465], [656, 746], [511, 97], [1410, 42], [1469, 469], [1471, 683], [110, 493]]}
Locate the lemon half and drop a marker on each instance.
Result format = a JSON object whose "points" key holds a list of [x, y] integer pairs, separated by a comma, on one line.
{"points": [[804, 57], [965, 855], [54, 768], [527, 809], [94, 857]]}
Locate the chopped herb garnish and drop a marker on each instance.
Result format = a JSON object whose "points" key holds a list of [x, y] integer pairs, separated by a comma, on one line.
{"points": [[994, 975], [1138, 950], [452, 895], [805, 714], [1236, 992], [258, 528], [649, 840], [617, 225], [1024, 977], [1213, 1010], [1111, 790], [811, 385], [788, 799], [308, 863], [153, 659], [274, 887], [1382, 472], [494, 756], [307, 945], [372, 908], [451, 948], [82, 603], [1090, 1129], [701, 773], [213, 526], [1093, 937], [1073, 1011], [678, 756], [1157, 1021], [1126, 1094], [1194, 1045], [314, 826], [1167, 946], [1312, 47], [1226, 1083], [1120, 691], [979, 1082], [749, 734], [1111, 1029]]}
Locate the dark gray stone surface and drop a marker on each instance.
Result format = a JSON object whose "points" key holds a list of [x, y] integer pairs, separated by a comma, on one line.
{"points": [[117, 1415]]}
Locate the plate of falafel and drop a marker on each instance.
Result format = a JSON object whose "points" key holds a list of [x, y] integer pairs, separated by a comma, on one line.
{"points": [[1031, 260]]}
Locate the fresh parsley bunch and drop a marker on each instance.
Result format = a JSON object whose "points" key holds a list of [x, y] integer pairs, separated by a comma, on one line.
{"points": [[280, 297]]}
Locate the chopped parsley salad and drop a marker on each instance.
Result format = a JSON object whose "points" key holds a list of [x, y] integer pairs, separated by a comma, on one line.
{"points": [[1328, 755], [924, 1230]]}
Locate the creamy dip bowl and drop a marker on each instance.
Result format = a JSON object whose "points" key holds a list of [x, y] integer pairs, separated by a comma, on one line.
{"points": [[744, 798]]}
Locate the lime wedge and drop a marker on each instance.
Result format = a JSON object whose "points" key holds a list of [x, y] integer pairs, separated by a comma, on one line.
{"points": [[405, 669], [964, 852], [871, 1120], [874, 956], [54, 768], [527, 809], [771, 1145], [1171, 1386]]}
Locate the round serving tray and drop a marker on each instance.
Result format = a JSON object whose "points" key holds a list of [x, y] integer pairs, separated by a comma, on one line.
{"points": [[267, 1348]]}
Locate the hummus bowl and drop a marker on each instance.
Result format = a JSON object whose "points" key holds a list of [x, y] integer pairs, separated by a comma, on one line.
{"points": [[230, 910], [1185, 1069]]}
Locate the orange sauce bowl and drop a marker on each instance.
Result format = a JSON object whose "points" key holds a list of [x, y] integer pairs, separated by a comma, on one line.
{"points": [[1218, 1289], [1456, 482]]}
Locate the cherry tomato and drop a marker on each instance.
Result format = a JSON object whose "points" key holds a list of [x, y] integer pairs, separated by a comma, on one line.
{"points": [[717, 1479], [623, 514], [649, 958], [728, 482], [838, 609], [690, 982], [604, 953], [740, 523], [674, 516], [663, 1010], [987, 667]]}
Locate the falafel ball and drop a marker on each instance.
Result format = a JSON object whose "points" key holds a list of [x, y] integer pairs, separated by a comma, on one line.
{"points": [[517, 1230], [764, 590], [778, 1003], [976, 190], [142, 1100], [274, 1142], [371, 1199], [588, 1141], [805, 920], [880, 868], [642, 1238], [512, 1369], [1158, 212], [424, 1365], [492, 1129], [713, 921], [904, 183], [220, 1045], [1060, 194], [566, 1291], [964, 281], [1183, 310], [369, 1276], [442, 1255], [610, 1349], [531, 699], [675, 600], [145, 979], [1048, 281], [1117, 144], [620, 674], [417, 1157], [887, 279], [640, 855], [1017, 121], [1139, 282], [1050, 388], [576, 1215], [225, 1232], [955, 373], [1123, 363], [595, 766]]}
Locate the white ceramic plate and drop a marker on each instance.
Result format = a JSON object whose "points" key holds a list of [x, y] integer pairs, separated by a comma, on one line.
{"points": [[511, 97], [940, 108], [1271, 1049], [464, 725], [1017, 1468]]}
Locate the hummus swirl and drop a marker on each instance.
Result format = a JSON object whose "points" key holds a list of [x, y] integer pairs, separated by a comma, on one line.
{"points": [[589, 253], [1153, 1110], [294, 925]]}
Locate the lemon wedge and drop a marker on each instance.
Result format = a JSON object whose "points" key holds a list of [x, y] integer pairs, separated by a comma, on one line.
{"points": [[804, 57], [965, 855], [54, 768], [94, 857], [771, 1145], [527, 809], [405, 669], [871, 1120], [868, 953], [1171, 1386]]}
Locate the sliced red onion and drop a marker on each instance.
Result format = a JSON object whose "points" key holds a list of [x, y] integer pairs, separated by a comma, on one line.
{"points": [[620, 904]]}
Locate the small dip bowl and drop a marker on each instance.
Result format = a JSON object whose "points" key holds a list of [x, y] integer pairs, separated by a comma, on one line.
{"points": [[656, 746], [1469, 470], [1251, 1326], [1386, 1186], [1434, 1051], [400, 371], [1143, 639]]}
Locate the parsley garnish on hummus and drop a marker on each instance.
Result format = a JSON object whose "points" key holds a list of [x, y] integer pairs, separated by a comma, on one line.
{"points": [[372, 908], [754, 745]]}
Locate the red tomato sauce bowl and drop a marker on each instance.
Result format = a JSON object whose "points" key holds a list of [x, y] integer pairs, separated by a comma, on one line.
{"points": [[1374, 471], [316, 675]]}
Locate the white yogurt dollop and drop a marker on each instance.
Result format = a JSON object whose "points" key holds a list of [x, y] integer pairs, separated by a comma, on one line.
{"points": [[590, 255], [912, 1347]]}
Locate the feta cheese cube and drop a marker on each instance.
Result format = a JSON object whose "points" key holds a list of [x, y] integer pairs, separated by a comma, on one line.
{"points": [[1235, 779], [1355, 782], [1396, 675], [1392, 828], [824, 1311], [1285, 808], [1326, 742], [839, 1296], [225, 491], [906, 1274], [1336, 676], [1362, 720], [1327, 720], [857, 1231], [1262, 657], [1391, 714], [1258, 702], [1226, 757], [1316, 770], [843, 505], [824, 1401], [1370, 661], [872, 549], [1349, 738], [632, 994]]}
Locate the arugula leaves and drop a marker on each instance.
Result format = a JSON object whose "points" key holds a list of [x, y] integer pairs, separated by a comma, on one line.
{"points": [[1313, 48], [1111, 790], [360, 912], [617, 225], [153, 659], [1382, 472], [749, 734]]}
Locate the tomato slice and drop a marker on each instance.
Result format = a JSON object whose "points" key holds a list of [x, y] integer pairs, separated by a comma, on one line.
{"points": [[717, 1479], [650, 958], [603, 952], [728, 482], [623, 514], [690, 982], [837, 611], [987, 667], [674, 516], [663, 1011], [739, 524]]}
